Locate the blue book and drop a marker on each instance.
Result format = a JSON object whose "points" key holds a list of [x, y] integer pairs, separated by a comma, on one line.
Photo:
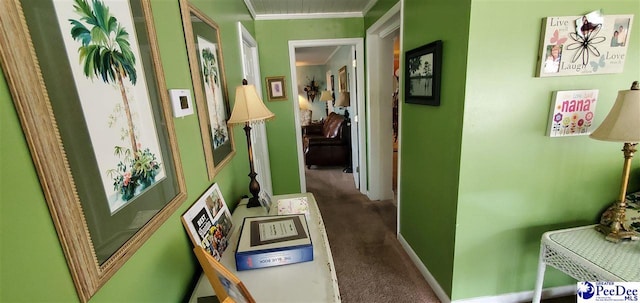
{"points": [[268, 241]]}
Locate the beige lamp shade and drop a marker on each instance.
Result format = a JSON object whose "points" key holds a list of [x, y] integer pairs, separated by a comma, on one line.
{"points": [[304, 104], [248, 107], [326, 96], [622, 124], [343, 99]]}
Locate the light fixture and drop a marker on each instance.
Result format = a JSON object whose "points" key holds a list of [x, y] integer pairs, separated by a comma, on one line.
{"points": [[249, 109], [622, 124], [326, 96]]}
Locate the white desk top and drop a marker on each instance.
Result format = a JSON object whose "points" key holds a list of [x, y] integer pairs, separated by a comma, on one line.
{"points": [[586, 246], [301, 282]]}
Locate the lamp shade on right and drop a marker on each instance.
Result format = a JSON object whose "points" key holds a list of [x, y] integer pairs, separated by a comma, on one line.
{"points": [[326, 96], [622, 124], [343, 99]]}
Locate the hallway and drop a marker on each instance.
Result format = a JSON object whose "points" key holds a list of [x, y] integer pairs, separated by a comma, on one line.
{"points": [[371, 266], [370, 263]]}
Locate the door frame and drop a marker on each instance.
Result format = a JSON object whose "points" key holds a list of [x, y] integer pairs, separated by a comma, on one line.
{"points": [[358, 110], [259, 142], [380, 148]]}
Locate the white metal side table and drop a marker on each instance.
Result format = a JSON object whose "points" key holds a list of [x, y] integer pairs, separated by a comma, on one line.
{"points": [[585, 255]]}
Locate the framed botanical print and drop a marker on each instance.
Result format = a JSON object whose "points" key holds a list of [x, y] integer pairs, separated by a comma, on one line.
{"points": [[276, 90], [94, 108], [204, 49]]}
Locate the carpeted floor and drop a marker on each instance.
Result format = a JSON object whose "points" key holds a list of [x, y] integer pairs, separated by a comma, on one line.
{"points": [[370, 263]]}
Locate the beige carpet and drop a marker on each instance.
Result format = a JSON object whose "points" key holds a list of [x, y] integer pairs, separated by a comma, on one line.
{"points": [[370, 263]]}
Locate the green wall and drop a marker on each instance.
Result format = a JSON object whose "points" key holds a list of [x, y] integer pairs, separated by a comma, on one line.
{"points": [[431, 138], [515, 182], [377, 11], [273, 38], [33, 267]]}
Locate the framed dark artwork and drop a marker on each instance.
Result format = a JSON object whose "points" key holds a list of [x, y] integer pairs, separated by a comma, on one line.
{"points": [[423, 67], [276, 89], [204, 49], [95, 112]]}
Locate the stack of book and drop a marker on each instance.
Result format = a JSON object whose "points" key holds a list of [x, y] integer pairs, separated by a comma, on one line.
{"points": [[268, 241]]}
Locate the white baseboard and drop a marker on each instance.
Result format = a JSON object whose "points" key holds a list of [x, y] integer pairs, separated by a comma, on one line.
{"points": [[524, 296], [437, 289]]}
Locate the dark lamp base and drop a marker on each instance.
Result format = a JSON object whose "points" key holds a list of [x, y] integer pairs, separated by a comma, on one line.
{"points": [[253, 202]]}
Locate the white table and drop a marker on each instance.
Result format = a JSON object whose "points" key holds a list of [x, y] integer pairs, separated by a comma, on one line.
{"points": [[313, 281], [584, 254]]}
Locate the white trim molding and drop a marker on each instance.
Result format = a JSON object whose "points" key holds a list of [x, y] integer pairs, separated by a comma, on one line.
{"points": [[308, 16], [252, 11], [369, 6], [524, 296], [435, 286]]}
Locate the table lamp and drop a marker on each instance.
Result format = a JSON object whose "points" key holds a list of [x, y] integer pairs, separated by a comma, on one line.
{"points": [[249, 109], [344, 101], [622, 124], [326, 96]]}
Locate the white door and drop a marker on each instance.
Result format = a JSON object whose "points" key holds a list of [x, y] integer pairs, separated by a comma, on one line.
{"points": [[251, 72], [355, 142]]}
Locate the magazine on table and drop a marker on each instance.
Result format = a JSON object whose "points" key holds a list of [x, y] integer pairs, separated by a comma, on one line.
{"points": [[208, 222]]}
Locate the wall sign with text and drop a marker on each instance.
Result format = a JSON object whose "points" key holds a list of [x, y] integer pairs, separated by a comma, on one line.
{"points": [[584, 45]]}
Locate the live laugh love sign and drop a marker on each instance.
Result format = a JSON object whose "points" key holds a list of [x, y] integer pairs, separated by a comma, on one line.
{"points": [[584, 45]]}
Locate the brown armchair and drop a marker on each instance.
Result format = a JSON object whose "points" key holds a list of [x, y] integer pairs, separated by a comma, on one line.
{"points": [[327, 143]]}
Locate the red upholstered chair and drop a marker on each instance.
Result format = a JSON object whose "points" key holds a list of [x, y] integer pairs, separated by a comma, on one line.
{"points": [[326, 143]]}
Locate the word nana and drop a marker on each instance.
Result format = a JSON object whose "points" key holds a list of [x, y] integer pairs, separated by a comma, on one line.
{"points": [[569, 106]]}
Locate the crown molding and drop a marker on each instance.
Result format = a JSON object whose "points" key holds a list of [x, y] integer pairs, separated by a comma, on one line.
{"points": [[307, 16], [252, 11]]}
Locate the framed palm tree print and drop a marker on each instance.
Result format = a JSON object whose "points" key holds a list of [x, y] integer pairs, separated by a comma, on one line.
{"points": [[204, 49], [88, 87]]}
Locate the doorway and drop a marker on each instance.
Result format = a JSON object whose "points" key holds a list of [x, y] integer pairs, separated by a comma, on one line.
{"points": [[355, 80], [383, 49], [251, 73]]}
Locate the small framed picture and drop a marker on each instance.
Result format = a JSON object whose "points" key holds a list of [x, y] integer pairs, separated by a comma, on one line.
{"points": [[276, 88], [342, 79], [423, 66], [225, 284]]}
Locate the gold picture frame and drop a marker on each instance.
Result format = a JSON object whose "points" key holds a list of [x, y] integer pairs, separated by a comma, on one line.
{"points": [[204, 49], [228, 288], [96, 239], [342, 79], [276, 88]]}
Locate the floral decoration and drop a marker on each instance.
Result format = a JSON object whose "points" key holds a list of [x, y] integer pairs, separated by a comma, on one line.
{"points": [[312, 89]]}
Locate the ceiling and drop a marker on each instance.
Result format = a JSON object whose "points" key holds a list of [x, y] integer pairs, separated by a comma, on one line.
{"points": [[307, 9], [317, 55]]}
